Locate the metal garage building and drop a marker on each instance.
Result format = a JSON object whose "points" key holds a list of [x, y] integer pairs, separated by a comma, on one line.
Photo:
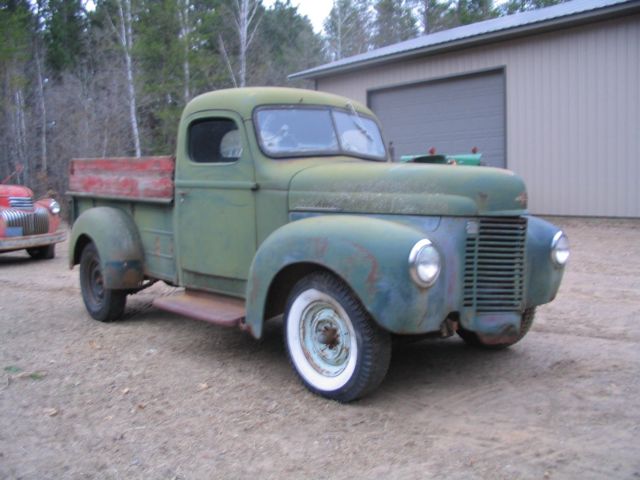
{"points": [[553, 94]]}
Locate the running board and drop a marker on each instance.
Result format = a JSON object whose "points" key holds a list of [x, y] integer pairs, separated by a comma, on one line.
{"points": [[208, 307]]}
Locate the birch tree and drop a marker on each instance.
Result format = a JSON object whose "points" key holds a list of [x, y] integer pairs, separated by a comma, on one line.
{"points": [[245, 22], [186, 29], [40, 93], [348, 28], [123, 31]]}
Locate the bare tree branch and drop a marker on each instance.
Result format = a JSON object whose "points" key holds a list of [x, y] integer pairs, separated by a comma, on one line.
{"points": [[223, 51]]}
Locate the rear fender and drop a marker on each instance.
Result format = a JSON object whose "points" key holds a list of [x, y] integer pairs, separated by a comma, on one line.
{"points": [[116, 237], [369, 254]]}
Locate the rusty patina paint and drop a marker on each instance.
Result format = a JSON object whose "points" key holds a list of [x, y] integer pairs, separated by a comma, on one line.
{"points": [[140, 178], [116, 237], [498, 328], [405, 189], [358, 219], [32, 241]]}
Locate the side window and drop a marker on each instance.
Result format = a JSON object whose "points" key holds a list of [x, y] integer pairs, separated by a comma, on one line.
{"points": [[214, 140]]}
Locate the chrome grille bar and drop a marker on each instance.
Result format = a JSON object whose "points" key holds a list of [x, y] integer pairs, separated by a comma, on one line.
{"points": [[32, 223], [21, 202]]}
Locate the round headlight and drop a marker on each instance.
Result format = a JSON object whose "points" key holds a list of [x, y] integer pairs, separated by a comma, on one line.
{"points": [[54, 207], [424, 263], [560, 249]]}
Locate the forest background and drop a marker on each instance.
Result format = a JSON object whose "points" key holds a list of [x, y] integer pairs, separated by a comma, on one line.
{"points": [[99, 78]]}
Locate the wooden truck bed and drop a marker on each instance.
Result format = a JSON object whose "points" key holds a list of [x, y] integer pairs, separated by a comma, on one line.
{"points": [[143, 179], [143, 187]]}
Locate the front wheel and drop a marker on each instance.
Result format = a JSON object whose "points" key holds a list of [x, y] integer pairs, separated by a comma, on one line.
{"points": [[42, 253], [331, 341], [473, 339], [103, 304]]}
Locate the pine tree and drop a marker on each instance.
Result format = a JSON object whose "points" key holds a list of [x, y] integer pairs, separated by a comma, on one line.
{"points": [[286, 43], [394, 22], [65, 27], [16, 31], [472, 11], [434, 15], [348, 28], [514, 6]]}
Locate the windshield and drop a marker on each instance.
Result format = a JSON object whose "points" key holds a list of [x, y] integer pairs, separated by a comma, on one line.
{"points": [[299, 131]]}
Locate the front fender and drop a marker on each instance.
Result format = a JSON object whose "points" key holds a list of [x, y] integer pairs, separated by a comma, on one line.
{"points": [[116, 237], [544, 276], [369, 254]]}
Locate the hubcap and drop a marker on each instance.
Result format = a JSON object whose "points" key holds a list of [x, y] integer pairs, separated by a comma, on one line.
{"points": [[325, 339]]}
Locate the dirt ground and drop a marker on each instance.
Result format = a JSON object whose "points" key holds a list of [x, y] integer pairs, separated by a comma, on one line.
{"points": [[157, 396]]}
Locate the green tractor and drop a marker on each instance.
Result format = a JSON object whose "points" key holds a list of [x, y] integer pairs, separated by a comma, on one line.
{"points": [[471, 159]]}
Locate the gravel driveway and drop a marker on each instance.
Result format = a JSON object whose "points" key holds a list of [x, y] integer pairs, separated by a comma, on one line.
{"points": [[157, 396]]}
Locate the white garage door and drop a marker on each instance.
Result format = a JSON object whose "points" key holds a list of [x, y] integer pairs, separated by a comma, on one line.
{"points": [[452, 115]]}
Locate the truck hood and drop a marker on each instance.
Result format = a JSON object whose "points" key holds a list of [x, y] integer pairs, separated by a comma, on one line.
{"points": [[408, 189], [15, 191]]}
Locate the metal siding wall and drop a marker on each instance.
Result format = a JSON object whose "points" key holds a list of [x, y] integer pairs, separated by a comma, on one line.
{"points": [[573, 111]]}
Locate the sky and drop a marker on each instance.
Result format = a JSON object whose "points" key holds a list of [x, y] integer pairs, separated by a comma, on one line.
{"points": [[316, 10]]}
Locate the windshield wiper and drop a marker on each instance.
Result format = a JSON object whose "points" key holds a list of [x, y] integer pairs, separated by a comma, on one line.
{"points": [[357, 122]]}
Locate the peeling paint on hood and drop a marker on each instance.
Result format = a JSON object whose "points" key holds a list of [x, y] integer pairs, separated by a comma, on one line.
{"points": [[407, 189]]}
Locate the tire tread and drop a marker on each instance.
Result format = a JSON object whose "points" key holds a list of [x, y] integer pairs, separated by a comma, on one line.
{"points": [[112, 308]]}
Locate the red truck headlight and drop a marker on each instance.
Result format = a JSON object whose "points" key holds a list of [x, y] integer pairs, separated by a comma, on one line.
{"points": [[54, 207]]}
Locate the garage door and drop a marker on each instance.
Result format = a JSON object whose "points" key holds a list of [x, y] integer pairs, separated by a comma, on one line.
{"points": [[452, 115]]}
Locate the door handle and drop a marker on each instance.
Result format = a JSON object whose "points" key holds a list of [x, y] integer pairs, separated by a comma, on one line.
{"points": [[182, 194]]}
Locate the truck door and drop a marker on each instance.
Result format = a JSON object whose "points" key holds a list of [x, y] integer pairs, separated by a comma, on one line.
{"points": [[215, 203]]}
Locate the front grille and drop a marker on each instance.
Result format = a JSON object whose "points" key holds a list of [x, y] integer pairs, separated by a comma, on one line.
{"points": [[21, 202], [31, 223], [494, 264]]}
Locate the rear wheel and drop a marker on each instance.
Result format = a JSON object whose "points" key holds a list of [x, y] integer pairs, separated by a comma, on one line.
{"points": [[103, 304], [42, 253], [473, 339], [332, 343]]}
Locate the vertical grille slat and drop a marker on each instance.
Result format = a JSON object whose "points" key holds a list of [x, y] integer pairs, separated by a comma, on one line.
{"points": [[32, 223], [494, 264]]}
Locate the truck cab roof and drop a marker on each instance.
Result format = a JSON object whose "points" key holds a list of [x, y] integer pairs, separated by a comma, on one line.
{"points": [[245, 100]]}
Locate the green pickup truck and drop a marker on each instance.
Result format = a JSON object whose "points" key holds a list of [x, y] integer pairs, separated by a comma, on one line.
{"points": [[284, 202]]}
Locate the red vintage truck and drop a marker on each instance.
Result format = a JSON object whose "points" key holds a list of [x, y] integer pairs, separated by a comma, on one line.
{"points": [[28, 225]]}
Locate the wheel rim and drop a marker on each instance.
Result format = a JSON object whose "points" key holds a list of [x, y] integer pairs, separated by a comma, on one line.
{"points": [[325, 338], [321, 340], [96, 282]]}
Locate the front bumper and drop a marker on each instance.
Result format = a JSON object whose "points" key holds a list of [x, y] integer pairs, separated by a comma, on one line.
{"points": [[31, 241]]}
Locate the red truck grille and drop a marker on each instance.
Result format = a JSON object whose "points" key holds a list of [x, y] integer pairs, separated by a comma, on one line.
{"points": [[30, 223], [25, 203]]}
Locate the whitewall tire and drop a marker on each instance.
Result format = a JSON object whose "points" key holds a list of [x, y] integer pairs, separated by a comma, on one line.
{"points": [[332, 343]]}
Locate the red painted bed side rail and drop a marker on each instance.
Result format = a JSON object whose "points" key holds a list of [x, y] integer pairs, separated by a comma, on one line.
{"points": [[149, 178]]}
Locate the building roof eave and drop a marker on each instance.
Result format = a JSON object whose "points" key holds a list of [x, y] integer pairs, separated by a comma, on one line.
{"points": [[396, 52]]}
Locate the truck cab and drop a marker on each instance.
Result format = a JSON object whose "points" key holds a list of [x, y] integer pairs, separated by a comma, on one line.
{"points": [[284, 202]]}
